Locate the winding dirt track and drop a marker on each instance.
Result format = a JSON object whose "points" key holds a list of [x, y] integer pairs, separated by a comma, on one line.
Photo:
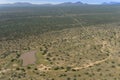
{"points": [[75, 68], [92, 64]]}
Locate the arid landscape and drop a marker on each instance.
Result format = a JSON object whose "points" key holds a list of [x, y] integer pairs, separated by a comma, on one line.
{"points": [[60, 42]]}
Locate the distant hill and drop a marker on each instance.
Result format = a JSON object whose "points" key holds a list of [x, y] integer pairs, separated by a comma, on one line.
{"points": [[22, 4], [17, 4], [70, 3], [111, 3], [30, 4]]}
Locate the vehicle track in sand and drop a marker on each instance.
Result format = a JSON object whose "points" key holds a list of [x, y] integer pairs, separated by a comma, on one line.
{"points": [[92, 64]]}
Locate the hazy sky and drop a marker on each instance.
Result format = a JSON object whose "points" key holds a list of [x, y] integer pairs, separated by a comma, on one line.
{"points": [[57, 1]]}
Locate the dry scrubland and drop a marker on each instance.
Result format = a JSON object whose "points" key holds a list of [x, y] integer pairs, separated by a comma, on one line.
{"points": [[83, 53], [60, 42]]}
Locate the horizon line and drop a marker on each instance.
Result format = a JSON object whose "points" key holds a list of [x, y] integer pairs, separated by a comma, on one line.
{"points": [[55, 2]]}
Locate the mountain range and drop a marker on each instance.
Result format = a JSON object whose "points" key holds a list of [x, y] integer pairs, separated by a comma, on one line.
{"points": [[65, 3], [111, 3]]}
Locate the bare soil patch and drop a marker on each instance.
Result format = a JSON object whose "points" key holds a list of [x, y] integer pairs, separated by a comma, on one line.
{"points": [[28, 58]]}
